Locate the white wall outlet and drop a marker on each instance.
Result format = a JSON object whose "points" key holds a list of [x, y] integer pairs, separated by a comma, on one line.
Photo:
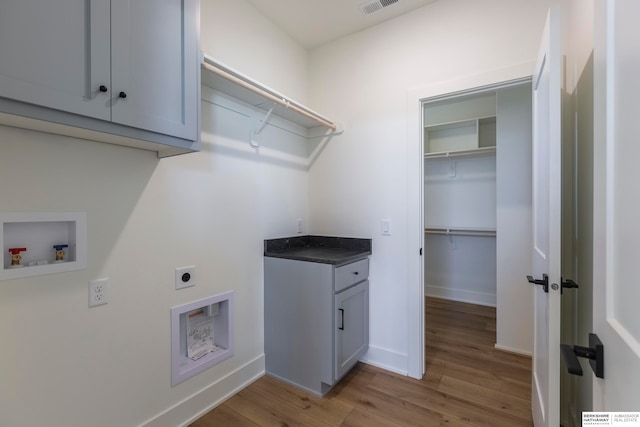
{"points": [[185, 277], [299, 225], [385, 226], [98, 292]]}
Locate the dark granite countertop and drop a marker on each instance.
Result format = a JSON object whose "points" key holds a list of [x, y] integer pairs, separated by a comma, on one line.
{"points": [[322, 249]]}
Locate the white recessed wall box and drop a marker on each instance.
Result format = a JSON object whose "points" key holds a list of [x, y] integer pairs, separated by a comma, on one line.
{"points": [[209, 320], [38, 243]]}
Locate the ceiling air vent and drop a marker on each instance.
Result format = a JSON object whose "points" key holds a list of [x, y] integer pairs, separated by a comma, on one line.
{"points": [[376, 5]]}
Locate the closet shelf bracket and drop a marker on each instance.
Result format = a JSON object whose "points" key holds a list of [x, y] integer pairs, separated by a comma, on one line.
{"points": [[452, 168], [338, 131], [265, 120]]}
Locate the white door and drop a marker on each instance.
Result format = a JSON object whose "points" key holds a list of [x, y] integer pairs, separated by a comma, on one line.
{"points": [[616, 294], [545, 395]]}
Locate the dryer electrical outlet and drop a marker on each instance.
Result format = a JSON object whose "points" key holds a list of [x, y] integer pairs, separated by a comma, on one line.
{"points": [[185, 277]]}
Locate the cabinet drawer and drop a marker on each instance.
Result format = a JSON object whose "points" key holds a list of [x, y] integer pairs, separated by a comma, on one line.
{"points": [[351, 274]]}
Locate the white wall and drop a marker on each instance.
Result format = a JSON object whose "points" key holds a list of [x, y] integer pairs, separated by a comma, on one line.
{"points": [[460, 268], [364, 80], [240, 36], [65, 365]]}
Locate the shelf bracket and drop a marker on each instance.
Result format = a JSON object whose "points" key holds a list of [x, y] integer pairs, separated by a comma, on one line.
{"points": [[261, 126], [339, 131], [452, 167]]}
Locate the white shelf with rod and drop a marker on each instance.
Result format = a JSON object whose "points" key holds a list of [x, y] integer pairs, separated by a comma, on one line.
{"points": [[220, 77], [473, 152]]}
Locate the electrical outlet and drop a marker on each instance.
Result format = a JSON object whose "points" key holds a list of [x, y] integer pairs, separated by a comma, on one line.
{"points": [[299, 225], [98, 292], [185, 277]]}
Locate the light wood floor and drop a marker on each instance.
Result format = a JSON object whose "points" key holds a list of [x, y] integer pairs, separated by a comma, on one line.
{"points": [[468, 383]]}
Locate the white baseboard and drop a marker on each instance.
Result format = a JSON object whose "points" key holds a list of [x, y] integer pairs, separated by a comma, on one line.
{"points": [[386, 359], [512, 350], [461, 295], [198, 404]]}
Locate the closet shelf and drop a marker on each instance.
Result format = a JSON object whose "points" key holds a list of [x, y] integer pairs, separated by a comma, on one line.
{"points": [[462, 231], [483, 151], [220, 77]]}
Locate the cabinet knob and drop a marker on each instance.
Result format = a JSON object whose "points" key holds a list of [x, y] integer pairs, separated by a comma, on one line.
{"points": [[122, 95], [103, 88]]}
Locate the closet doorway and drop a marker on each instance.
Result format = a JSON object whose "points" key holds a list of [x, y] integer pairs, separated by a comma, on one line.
{"points": [[477, 205]]}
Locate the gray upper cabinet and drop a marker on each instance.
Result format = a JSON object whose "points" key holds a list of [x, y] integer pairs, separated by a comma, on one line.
{"points": [[153, 66], [56, 54], [123, 68]]}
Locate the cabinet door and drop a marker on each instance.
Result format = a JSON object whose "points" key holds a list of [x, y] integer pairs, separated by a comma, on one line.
{"points": [[155, 65], [351, 327], [56, 54]]}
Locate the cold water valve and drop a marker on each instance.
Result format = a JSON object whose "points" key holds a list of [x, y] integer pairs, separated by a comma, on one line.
{"points": [[60, 252]]}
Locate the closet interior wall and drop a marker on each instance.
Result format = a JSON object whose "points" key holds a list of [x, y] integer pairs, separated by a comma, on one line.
{"points": [[477, 206], [460, 199]]}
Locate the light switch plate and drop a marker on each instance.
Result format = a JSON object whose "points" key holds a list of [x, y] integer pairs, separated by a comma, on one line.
{"points": [[385, 226]]}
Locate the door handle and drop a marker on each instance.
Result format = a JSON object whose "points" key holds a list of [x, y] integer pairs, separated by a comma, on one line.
{"points": [[595, 354], [568, 284], [544, 282], [341, 319]]}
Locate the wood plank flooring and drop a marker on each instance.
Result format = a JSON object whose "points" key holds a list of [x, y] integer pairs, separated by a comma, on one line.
{"points": [[468, 383]]}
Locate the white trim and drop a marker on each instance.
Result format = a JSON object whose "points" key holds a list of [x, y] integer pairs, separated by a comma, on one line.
{"points": [[499, 78], [461, 295], [193, 407], [386, 359], [512, 350]]}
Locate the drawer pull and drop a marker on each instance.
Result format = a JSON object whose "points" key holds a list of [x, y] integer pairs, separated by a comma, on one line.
{"points": [[122, 95], [356, 273], [341, 310], [103, 88]]}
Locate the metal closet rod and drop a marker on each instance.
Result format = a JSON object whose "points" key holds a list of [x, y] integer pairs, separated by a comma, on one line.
{"points": [[461, 153], [459, 232], [281, 101]]}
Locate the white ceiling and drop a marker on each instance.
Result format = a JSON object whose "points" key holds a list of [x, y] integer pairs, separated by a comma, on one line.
{"points": [[315, 22]]}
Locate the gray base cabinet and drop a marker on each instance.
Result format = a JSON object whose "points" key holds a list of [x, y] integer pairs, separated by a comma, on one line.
{"points": [[316, 321]]}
